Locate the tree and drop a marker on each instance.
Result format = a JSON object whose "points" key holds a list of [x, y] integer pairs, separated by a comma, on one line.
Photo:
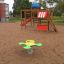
{"points": [[61, 6], [20, 4], [59, 10], [43, 4], [10, 13]]}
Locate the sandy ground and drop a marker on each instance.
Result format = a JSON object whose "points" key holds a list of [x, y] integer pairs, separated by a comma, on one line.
{"points": [[12, 53]]}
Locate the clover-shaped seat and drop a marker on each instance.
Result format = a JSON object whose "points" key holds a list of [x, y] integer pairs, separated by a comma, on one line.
{"points": [[29, 43]]}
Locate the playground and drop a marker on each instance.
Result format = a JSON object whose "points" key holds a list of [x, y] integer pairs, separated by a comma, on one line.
{"points": [[11, 53], [35, 39]]}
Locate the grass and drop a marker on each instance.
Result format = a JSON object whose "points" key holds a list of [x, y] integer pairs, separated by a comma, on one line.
{"points": [[14, 19], [56, 19]]}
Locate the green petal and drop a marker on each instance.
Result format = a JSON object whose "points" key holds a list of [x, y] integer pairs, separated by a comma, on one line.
{"points": [[39, 44], [21, 43], [27, 47]]}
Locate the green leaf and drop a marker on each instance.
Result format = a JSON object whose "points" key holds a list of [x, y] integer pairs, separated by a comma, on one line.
{"points": [[21, 43], [39, 44], [27, 47]]}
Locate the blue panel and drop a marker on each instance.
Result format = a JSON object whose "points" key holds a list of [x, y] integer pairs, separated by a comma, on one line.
{"points": [[35, 5]]}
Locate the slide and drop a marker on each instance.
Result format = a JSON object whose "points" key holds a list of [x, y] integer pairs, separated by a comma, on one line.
{"points": [[23, 23]]}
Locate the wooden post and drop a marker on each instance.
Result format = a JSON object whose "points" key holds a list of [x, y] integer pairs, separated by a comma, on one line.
{"points": [[51, 22], [48, 25]]}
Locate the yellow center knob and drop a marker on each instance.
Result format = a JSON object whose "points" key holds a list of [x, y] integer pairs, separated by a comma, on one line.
{"points": [[30, 42]]}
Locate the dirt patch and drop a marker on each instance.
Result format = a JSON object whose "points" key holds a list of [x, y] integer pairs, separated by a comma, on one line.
{"points": [[12, 53]]}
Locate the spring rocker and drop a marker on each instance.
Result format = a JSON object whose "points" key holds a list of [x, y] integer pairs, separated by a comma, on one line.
{"points": [[28, 45]]}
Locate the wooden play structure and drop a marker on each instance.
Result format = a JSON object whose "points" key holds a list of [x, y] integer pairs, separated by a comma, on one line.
{"points": [[43, 18]]}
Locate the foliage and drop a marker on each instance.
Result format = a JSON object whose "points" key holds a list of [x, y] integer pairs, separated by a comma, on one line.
{"points": [[43, 4], [20, 4], [10, 13], [25, 4], [52, 1], [59, 10]]}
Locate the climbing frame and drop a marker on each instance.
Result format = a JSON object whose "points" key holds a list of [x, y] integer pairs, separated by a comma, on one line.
{"points": [[40, 14]]}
